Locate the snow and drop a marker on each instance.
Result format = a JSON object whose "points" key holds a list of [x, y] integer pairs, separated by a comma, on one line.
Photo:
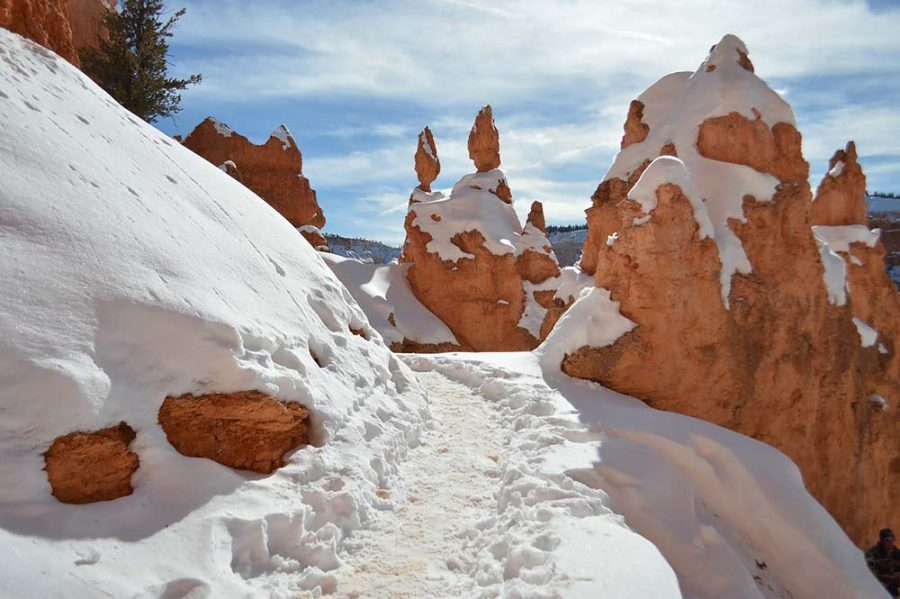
{"points": [[284, 136], [383, 290], [867, 335], [470, 207], [593, 320], [226, 165], [675, 107], [221, 128], [533, 239], [587, 468], [611, 239], [840, 237], [879, 401], [572, 281], [142, 271], [669, 170], [837, 169], [834, 275], [425, 145], [533, 315]]}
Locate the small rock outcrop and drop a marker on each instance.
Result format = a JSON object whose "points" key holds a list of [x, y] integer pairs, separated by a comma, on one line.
{"points": [[272, 170], [701, 231], [841, 196], [471, 262], [95, 466], [247, 430]]}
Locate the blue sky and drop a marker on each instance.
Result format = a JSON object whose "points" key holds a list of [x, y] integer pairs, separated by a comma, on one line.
{"points": [[355, 81]]}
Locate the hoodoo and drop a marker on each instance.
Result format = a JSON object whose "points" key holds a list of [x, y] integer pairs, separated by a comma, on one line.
{"points": [[741, 315]]}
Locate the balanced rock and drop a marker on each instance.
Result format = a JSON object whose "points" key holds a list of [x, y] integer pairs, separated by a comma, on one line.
{"points": [[428, 165], [700, 230], [484, 141], [247, 430], [90, 467], [272, 170]]}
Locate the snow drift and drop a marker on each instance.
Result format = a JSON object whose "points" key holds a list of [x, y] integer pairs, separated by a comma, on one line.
{"points": [[133, 270]]}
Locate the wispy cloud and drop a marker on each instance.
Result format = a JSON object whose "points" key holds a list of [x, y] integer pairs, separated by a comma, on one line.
{"points": [[559, 75]]}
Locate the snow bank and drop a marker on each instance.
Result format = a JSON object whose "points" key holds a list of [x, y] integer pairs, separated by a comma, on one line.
{"points": [[572, 281], [593, 320], [470, 207], [669, 170], [867, 335], [840, 237], [675, 107], [729, 514], [142, 270], [384, 294]]}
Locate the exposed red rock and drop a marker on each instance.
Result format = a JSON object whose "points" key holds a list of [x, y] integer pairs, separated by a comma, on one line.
{"points": [[779, 362], [43, 21], [247, 430], [90, 467], [841, 196], [536, 261], [428, 165], [272, 170], [635, 129], [484, 141]]}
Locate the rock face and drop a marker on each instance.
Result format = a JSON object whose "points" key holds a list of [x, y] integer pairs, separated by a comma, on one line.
{"points": [[86, 21], [702, 233], [43, 21], [272, 170], [90, 467], [247, 430], [64, 26], [841, 196], [472, 264]]}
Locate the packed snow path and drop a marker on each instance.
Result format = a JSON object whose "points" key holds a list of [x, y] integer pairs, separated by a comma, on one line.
{"points": [[448, 487]]}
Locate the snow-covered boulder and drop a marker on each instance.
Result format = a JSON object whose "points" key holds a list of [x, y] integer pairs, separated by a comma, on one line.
{"points": [[273, 170], [134, 270], [700, 235]]}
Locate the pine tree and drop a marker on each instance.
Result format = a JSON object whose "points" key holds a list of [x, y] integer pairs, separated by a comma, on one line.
{"points": [[131, 63]]}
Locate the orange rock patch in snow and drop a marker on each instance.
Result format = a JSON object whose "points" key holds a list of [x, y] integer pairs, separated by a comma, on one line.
{"points": [[247, 430], [89, 467]]}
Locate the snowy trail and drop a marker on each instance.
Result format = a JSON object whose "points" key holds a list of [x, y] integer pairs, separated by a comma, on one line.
{"points": [[449, 486]]}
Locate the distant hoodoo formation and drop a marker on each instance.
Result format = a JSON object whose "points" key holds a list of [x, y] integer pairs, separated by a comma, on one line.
{"points": [[272, 170], [246, 430], [471, 263], [64, 26], [743, 313]]}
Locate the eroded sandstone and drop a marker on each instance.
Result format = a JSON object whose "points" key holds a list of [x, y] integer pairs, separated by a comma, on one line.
{"points": [[247, 430]]}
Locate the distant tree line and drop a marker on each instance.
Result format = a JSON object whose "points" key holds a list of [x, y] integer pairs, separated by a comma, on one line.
{"points": [[565, 228], [884, 194]]}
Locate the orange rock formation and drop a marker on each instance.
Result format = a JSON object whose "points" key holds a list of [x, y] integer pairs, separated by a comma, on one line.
{"points": [[89, 467], [247, 430], [272, 170], [491, 299], [775, 359]]}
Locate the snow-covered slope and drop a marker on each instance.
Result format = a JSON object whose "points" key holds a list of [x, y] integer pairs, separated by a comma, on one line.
{"points": [[133, 269]]}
